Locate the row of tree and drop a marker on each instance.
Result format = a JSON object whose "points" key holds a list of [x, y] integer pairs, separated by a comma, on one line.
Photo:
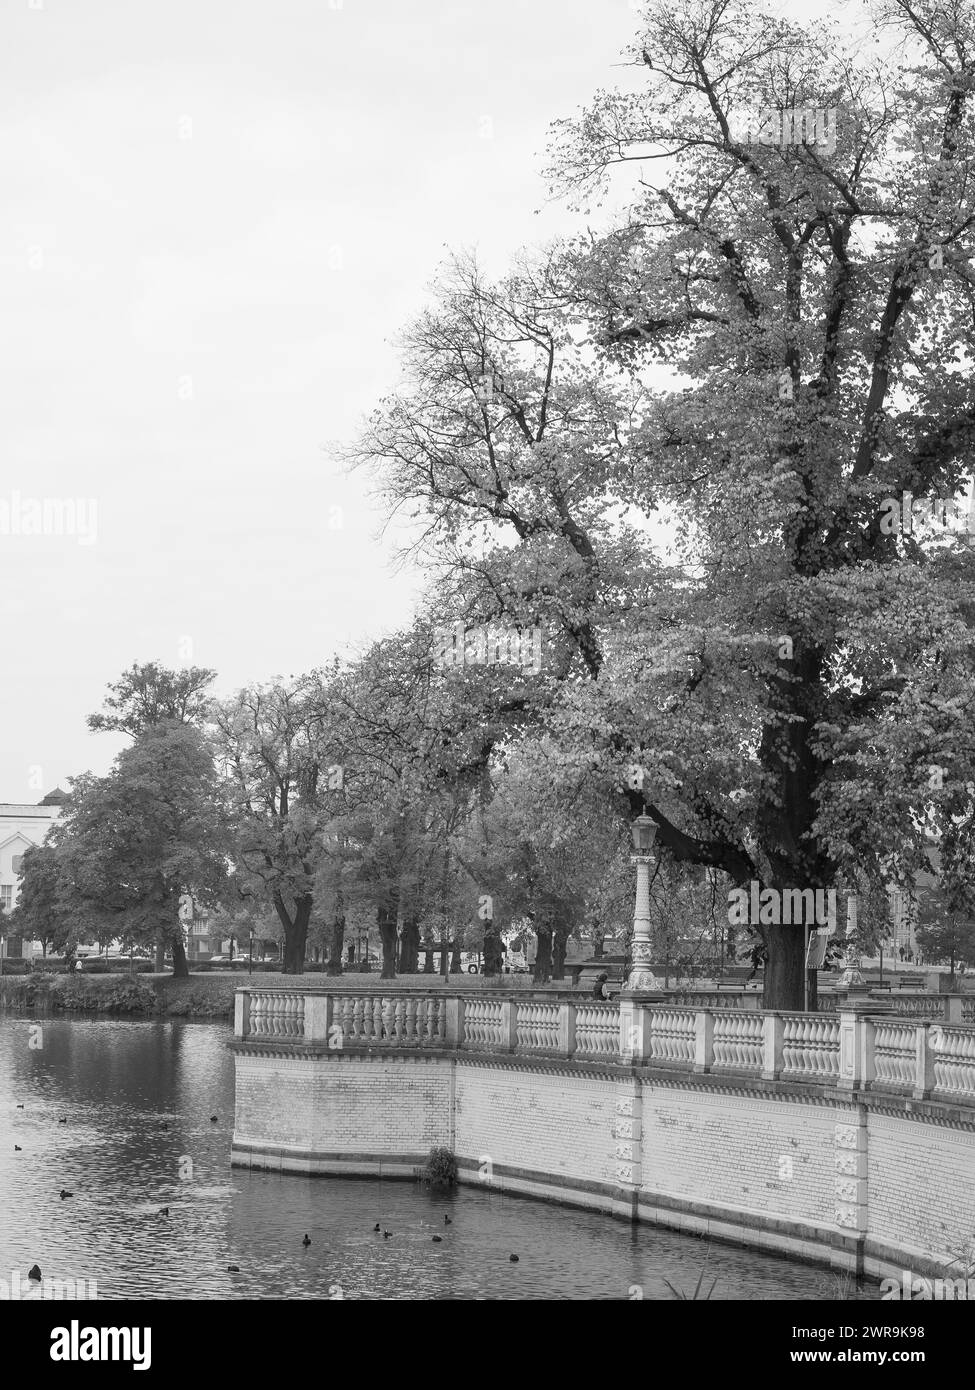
{"points": [[344, 796]]}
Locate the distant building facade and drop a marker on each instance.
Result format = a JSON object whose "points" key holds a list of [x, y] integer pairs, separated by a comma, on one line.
{"points": [[21, 826], [905, 907], [201, 944]]}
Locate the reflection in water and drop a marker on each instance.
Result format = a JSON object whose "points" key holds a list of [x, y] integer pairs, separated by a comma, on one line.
{"points": [[138, 1098]]}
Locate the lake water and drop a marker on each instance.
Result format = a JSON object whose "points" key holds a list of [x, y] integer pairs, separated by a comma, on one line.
{"points": [[137, 1098]]}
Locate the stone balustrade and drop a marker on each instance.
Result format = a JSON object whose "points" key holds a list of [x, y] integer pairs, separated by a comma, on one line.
{"points": [[950, 1008], [863, 1045]]}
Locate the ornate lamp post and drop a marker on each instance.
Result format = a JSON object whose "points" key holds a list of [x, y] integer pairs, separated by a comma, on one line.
{"points": [[852, 975], [644, 832]]}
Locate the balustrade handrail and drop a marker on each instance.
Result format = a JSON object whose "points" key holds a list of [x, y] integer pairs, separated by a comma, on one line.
{"points": [[860, 1046]]}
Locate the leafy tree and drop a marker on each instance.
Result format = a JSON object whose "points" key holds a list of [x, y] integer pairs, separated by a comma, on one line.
{"points": [[242, 917], [949, 938], [271, 742], [39, 914], [946, 902], [763, 350], [130, 844], [146, 697], [547, 849], [415, 746], [150, 694]]}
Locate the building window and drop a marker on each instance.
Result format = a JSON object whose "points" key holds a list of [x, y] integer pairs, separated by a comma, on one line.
{"points": [[6, 896], [16, 862]]}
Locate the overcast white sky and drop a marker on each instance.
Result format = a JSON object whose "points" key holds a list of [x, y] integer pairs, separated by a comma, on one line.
{"points": [[216, 218]]}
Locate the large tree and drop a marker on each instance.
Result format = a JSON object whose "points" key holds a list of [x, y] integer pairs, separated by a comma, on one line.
{"points": [[283, 780], [407, 742], [149, 693], [39, 914], [775, 339], [129, 845], [149, 696]]}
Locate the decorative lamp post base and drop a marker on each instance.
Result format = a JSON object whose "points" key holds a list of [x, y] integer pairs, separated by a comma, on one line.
{"points": [[852, 975], [642, 980]]}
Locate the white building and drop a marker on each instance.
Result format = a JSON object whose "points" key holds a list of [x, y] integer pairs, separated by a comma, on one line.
{"points": [[22, 826]]}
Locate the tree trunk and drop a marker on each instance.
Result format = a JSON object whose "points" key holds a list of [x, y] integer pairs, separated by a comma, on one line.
{"points": [[409, 945], [429, 948], [560, 940], [543, 954], [181, 970], [785, 970], [597, 947], [336, 941], [455, 956], [386, 920], [492, 949], [295, 932], [160, 950]]}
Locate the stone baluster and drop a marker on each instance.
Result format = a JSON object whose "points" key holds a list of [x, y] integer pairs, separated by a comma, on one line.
{"points": [[256, 1013], [384, 1025], [358, 1020], [341, 1014], [259, 1015]]}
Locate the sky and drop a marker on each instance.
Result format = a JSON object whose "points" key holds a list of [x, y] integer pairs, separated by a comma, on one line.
{"points": [[217, 219]]}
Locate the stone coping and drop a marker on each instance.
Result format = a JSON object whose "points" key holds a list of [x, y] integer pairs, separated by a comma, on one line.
{"points": [[502, 992], [498, 986]]}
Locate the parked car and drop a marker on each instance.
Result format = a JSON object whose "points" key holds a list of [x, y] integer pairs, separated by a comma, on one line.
{"points": [[227, 962]]}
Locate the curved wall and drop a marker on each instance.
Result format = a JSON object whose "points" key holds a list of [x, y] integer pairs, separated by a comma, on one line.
{"points": [[872, 1183]]}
